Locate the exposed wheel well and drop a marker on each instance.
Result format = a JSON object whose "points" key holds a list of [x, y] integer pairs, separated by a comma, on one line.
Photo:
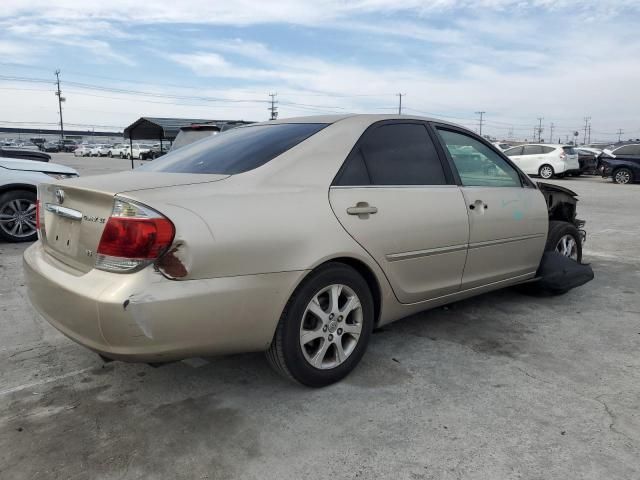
{"points": [[366, 272], [18, 186]]}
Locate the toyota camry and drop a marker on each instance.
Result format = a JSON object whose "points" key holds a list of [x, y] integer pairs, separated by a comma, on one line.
{"points": [[295, 237]]}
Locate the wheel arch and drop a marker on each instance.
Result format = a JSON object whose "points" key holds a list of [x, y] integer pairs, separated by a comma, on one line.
{"points": [[18, 186], [367, 273]]}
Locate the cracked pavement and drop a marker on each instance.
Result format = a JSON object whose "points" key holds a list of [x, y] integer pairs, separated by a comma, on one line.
{"points": [[501, 386]]}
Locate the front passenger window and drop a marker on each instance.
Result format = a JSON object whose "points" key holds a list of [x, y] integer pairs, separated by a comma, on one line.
{"points": [[477, 164]]}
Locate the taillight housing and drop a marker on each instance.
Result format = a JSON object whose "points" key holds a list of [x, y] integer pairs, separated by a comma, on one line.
{"points": [[563, 156], [39, 217], [134, 236]]}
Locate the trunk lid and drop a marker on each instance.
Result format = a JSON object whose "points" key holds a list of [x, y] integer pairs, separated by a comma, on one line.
{"points": [[74, 212]]}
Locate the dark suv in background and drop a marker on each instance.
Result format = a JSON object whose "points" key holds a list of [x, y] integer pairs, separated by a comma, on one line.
{"points": [[622, 163]]}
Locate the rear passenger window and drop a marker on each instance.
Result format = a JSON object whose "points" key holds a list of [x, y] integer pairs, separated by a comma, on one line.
{"points": [[354, 171], [547, 149], [393, 154], [532, 150], [513, 151]]}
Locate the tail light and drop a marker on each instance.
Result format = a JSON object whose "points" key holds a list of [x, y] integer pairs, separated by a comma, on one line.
{"points": [[38, 212], [133, 237], [563, 156]]}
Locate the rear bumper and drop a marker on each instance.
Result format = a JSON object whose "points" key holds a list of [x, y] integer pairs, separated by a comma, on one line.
{"points": [[147, 318]]}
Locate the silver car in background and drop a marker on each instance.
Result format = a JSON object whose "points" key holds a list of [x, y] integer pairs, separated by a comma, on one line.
{"points": [[19, 180]]}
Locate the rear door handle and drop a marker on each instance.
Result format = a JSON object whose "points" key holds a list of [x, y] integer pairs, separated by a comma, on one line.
{"points": [[362, 209]]}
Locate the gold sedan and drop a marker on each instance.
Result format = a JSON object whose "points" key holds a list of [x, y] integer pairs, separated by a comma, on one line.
{"points": [[295, 237]]}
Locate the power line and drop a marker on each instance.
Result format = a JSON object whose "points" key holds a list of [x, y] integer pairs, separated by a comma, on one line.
{"points": [[480, 122], [273, 109], [60, 100], [539, 128], [586, 125], [400, 95]]}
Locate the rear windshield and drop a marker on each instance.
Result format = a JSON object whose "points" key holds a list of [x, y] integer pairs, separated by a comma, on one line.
{"points": [[185, 137], [569, 150], [235, 151]]}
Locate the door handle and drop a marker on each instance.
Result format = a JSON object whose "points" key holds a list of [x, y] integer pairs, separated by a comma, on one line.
{"points": [[478, 204], [362, 209]]}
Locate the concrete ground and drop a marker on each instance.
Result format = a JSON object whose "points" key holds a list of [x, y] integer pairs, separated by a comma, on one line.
{"points": [[500, 386]]}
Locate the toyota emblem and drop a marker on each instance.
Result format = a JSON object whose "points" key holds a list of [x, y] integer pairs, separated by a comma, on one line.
{"points": [[60, 195]]}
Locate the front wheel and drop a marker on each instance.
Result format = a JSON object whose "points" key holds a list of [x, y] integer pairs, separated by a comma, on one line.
{"points": [[564, 238], [18, 216], [325, 327], [546, 171], [622, 176]]}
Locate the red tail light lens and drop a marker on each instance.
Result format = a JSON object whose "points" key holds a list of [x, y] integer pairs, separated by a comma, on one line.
{"points": [[142, 238], [133, 237]]}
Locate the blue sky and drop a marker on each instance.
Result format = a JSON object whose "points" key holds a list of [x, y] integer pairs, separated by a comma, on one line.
{"points": [[517, 60]]}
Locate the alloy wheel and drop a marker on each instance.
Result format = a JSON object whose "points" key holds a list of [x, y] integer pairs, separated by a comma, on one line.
{"points": [[18, 218], [331, 326], [568, 247], [622, 177], [546, 172]]}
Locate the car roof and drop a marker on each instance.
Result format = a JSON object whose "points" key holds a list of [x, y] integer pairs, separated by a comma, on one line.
{"points": [[370, 117]]}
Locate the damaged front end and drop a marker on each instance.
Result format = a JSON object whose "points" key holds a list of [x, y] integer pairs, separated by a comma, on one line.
{"points": [[562, 206]]}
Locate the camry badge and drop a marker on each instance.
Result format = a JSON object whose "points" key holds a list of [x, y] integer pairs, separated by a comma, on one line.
{"points": [[60, 195]]}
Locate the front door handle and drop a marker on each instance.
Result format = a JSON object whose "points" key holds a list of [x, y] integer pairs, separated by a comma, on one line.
{"points": [[362, 209], [479, 204]]}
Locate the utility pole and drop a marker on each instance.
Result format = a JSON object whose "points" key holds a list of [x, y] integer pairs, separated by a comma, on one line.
{"points": [[551, 132], [620, 132], [586, 124], [481, 120], [539, 128], [273, 109], [400, 95], [60, 100], [589, 134], [510, 134]]}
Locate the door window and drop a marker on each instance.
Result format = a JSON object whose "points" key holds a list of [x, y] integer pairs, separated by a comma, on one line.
{"points": [[547, 149], [393, 154], [532, 150], [477, 164], [513, 151]]}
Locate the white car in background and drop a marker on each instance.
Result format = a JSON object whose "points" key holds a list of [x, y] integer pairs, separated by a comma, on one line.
{"points": [[138, 148], [545, 160], [82, 151], [100, 150], [118, 150], [19, 180], [502, 145]]}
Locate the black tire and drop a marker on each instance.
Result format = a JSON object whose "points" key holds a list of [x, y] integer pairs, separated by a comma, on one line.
{"points": [[543, 169], [622, 176], [109, 154], [285, 352], [557, 230], [5, 199]]}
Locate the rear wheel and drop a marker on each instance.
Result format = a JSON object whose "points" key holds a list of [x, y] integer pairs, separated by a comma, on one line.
{"points": [[18, 216], [565, 239], [622, 176], [325, 327], [546, 171]]}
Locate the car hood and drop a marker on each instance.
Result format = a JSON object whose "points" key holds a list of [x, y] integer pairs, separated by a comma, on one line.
{"points": [[35, 166]]}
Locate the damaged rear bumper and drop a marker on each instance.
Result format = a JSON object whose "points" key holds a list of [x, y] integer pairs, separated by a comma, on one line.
{"points": [[146, 317]]}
